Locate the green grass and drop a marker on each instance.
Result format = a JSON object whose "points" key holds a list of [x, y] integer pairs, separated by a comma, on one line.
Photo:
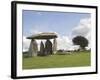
{"points": [[76, 59]]}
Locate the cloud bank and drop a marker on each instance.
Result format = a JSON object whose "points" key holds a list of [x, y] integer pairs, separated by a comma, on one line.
{"points": [[26, 43]]}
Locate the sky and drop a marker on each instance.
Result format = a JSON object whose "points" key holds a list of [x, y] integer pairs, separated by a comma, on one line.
{"points": [[65, 24]]}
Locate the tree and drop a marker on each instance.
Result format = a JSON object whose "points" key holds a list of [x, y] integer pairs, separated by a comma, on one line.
{"points": [[82, 41]]}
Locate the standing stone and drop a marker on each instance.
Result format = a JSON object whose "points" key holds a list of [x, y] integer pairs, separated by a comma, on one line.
{"points": [[54, 46], [30, 50], [42, 50], [48, 47], [33, 49]]}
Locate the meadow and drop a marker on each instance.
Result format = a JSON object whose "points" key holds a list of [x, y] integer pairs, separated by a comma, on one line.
{"points": [[75, 59]]}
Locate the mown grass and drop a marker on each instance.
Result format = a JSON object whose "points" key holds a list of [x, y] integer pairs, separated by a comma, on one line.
{"points": [[76, 59]]}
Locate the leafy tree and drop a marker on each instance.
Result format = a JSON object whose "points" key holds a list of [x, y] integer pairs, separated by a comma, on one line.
{"points": [[82, 41]]}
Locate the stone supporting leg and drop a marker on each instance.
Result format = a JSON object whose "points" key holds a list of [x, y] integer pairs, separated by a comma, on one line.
{"points": [[33, 49], [54, 46], [42, 49], [48, 47]]}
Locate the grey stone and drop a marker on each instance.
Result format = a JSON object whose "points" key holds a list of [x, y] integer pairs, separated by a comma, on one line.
{"points": [[33, 49], [48, 47], [42, 49], [54, 47]]}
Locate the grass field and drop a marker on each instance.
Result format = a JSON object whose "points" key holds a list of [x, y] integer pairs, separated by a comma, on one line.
{"points": [[76, 59]]}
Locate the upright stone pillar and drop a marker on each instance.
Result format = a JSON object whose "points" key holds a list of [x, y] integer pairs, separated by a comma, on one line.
{"points": [[42, 49], [54, 47], [33, 49], [30, 50], [48, 47]]}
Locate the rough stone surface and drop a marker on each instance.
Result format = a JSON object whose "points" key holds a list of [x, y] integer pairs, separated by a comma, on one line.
{"points": [[33, 49], [44, 35], [42, 49], [48, 47], [54, 47]]}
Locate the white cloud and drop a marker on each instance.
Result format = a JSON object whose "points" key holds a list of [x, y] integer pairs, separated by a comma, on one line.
{"points": [[39, 13], [63, 42], [83, 28], [26, 43]]}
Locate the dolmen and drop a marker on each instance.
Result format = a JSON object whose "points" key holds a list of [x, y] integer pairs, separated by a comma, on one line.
{"points": [[48, 48]]}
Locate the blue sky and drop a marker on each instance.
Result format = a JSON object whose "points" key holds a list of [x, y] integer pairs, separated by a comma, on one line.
{"points": [[42, 21], [66, 24]]}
